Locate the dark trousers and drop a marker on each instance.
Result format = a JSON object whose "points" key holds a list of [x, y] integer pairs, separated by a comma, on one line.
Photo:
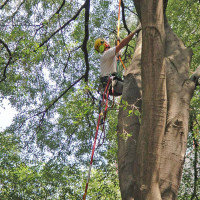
{"points": [[115, 82]]}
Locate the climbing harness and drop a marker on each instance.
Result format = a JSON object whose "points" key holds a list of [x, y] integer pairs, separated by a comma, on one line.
{"points": [[105, 96]]}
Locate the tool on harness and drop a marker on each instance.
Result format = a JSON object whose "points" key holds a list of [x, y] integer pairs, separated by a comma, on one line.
{"points": [[116, 80]]}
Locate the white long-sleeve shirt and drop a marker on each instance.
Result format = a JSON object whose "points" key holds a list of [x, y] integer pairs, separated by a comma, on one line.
{"points": [[108, 62]]}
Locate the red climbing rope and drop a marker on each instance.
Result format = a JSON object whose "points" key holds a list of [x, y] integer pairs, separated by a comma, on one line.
{"points": [[106, 91], [104, 118], [105, 111]]}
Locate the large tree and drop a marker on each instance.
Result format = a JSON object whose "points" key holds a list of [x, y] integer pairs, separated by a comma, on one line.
{"points": [[50, 74], [157, 83]]}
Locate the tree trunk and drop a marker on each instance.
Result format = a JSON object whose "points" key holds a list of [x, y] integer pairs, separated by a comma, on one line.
{"points": [[151, 159]]}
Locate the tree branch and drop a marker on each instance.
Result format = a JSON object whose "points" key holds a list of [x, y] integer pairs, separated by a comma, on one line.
{"points": [[194, 43], [84, 46], [196, 76], [57, 12], [1, 7], [68, 59], [9, 60], [59, 9], [13, 15], [62, 27], [123, 18], [51, 104], [60, 96]]}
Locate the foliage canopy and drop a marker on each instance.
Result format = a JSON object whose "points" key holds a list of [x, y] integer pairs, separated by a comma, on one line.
{"points": [[50, 74]]}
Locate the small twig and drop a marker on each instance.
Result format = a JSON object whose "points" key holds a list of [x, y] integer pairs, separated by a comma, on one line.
{"points": [[59, 9], [60, 96], [194, 43], [66, 65], [18, 9], [131, 10]]}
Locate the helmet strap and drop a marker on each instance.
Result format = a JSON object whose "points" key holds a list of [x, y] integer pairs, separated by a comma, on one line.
{"points": [[101, 48]]}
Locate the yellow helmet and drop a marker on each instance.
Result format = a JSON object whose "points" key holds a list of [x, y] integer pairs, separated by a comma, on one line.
{"points": [[100, 45]]}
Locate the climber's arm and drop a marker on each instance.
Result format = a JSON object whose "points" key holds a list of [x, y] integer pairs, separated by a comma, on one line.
{"points": [[126, 40]]}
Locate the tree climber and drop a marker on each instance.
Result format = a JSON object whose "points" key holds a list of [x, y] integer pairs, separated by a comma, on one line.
{"points": [[108, 62]]}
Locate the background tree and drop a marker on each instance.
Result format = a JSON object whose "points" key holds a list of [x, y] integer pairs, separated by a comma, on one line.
{"points": [[49, 73]]}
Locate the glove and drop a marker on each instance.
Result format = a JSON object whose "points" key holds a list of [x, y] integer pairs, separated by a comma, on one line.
{"points": [[139, 27]]}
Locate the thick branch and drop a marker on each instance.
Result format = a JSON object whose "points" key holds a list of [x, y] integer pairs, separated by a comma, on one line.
{"points": [[84, 47], [123, 18], [138, 4], [9, 60], [154, 108]]}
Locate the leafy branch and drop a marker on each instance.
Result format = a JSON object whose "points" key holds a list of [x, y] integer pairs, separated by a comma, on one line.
{"points": [[85, 6], [9, 60], [53, 102], [56, 13], [1, 7], [63, 26], [60, 96]]}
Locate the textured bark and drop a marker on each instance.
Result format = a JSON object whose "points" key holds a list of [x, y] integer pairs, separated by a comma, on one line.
{"points": [[179, 90], [129, 124], [154, 99], [151, 160]]}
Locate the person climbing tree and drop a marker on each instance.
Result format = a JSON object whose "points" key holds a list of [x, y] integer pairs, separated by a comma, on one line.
{"points": [[108, 62]]}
